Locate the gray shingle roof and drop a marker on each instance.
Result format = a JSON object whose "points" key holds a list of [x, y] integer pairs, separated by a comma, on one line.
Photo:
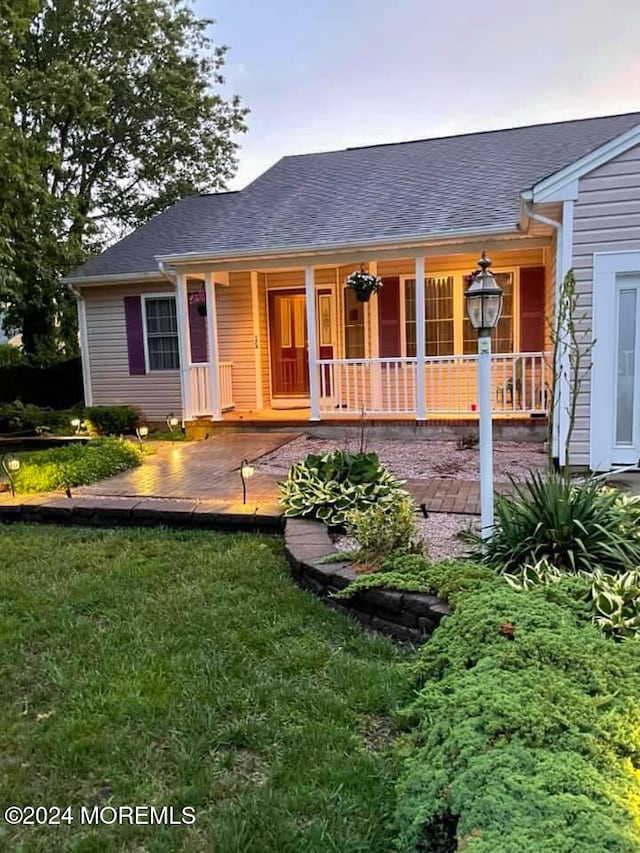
{"points": [[431, 186]]}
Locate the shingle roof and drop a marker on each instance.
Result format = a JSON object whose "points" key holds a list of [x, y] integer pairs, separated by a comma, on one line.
{"points": [[431, 186]]}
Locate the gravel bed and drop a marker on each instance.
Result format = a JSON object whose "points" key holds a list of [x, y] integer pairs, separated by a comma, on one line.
{"points": [[439, 532], [418, 460]]}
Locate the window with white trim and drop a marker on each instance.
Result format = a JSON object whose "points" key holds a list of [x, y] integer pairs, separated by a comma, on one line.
{"points": [[447, 329], [162, 333]]}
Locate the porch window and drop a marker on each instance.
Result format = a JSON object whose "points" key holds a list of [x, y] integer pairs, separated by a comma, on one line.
{"points": [[161, 333], [353, 325], [439, 316], [502, 335]]}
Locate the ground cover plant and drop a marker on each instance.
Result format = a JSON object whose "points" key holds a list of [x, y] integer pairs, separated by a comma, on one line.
{"points": [[328, 486], [74, 464], [186, 669], [525, 732]]}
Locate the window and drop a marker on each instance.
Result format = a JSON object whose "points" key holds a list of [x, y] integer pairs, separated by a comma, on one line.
{"points": [[162, 333], [502, 335], [439, 317], [353, 325], [447, 329]]}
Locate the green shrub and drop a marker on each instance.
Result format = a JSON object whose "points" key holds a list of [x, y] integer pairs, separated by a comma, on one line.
{"points": [[525, 729], [11, 356], [576, 528], [25, 417], [74, 465], [381, 530], [328, 487], [113, 420]]}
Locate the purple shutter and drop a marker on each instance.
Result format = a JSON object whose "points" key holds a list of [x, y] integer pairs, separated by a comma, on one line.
{"points": [[389, 318], [135, 334], [198, 332], [532, 309]]}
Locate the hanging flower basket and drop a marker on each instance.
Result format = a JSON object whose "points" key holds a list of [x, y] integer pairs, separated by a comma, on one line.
{"points": [[363, 284], [199, 299]]}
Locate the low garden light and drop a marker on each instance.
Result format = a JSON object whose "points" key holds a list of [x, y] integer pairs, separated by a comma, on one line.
{"points": [[172, 421], [484, 305], [76, 423], [246, 472], [10, 466], [142, 432]]}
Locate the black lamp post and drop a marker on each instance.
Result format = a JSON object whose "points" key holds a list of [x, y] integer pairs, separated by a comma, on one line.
{"points": [[10, 466]]}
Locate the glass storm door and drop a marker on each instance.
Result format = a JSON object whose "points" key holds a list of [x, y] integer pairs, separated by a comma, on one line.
{"points": [[626, 445], [287, 329]]}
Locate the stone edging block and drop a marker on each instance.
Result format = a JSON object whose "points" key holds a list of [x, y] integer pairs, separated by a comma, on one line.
{"points": [[408, 616]]}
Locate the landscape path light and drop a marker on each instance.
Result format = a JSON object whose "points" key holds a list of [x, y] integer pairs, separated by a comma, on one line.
{"points": [[246, 472], [76, 423], [11, 465], [172, 421], [483, 299], [142, 432]]}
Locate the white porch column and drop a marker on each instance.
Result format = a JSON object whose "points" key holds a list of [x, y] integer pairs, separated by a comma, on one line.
{"points": [[213, 355], [184, 342], [374, 351], [312, 349], [255, 314], [420, 342]]}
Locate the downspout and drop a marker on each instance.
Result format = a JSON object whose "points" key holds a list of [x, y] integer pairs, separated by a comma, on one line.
{"points": [[557, 445], [84, 345]]}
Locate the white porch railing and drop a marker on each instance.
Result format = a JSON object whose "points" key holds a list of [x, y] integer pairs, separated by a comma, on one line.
{"points": [[200, 403], [387, 386]]}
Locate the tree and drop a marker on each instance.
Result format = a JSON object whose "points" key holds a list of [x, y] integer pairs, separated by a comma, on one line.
{"points": [[110, 111]]}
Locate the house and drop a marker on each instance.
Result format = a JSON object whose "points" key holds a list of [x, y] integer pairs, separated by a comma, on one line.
{"points": [[233, 305]]}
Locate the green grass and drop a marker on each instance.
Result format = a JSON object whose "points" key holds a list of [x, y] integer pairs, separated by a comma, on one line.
{"points": [[186, 669]]}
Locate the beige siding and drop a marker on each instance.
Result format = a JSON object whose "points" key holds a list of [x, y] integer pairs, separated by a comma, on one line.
{"points": [[606, 219], [235, 335], [155, 394], [264, 339]]}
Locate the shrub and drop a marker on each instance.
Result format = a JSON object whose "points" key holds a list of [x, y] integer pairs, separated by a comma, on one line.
{"points": [[113, 420], [525, 729], [576, 528], [26, 418], [382, 530], [74, 465], [11, 356], [328, 487]]}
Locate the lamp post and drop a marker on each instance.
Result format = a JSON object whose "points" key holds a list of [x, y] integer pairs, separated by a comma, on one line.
{"points": [[11, 465], [484, 305], [142, 432], [76, 423], [246, 471], [172, 421]]}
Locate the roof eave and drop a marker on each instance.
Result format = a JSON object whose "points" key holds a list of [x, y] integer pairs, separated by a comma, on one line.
{"points": [[111, 278]]}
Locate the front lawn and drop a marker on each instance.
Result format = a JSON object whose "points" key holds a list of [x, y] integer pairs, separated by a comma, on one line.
{"points": [[150, 667]]}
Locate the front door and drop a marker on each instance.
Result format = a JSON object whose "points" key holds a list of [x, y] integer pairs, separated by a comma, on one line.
{"points": [[288, 336]]}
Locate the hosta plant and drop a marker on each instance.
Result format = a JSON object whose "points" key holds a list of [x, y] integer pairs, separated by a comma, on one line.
{"points": [[327, 487], [575, 527], [616, 603]]}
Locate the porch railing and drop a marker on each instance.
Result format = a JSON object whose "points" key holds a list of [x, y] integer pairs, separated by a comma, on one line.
{"points": [[387, 386], [200, 403]]}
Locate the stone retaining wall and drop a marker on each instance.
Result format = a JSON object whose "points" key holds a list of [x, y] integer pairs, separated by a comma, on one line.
{"points": [[403, 615]]}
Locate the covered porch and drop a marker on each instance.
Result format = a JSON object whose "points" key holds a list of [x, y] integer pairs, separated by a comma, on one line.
{"points": [[292, 342]]}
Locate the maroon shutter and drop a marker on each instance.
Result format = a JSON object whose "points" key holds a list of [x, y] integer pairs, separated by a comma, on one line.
{"points": [[198, 332], [135, 334], [389, 318], [532, 309]]}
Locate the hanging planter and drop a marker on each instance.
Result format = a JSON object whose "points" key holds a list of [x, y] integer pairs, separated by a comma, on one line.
{"points": [[199, 299], [363, 284]]}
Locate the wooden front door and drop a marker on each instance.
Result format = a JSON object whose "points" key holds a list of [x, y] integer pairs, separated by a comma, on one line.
{"points": [[288, 335]]}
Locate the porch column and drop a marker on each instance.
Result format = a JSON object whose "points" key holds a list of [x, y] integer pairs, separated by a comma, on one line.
{"points": [[374, 351], [255, 314], [213, 355], [420, 342], [312, 350], [184, 342]]}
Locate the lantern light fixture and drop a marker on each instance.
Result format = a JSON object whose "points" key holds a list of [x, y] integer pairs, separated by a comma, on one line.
{"points": [[172, 421], [76, 423], [483, 298], [142, 432]]}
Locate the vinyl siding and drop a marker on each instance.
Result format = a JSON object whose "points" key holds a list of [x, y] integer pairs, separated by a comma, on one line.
{"points": [[156, 393], [606, 219], [235, 337]]}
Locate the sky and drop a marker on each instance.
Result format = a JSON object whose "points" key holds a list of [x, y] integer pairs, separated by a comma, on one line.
{"points": [[319, 76]]}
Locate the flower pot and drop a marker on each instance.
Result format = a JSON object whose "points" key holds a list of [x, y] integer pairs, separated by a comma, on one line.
{"points": [[362, 295]]}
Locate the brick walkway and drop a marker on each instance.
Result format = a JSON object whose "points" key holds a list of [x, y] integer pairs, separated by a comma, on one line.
{"points": [[448, 495]]}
